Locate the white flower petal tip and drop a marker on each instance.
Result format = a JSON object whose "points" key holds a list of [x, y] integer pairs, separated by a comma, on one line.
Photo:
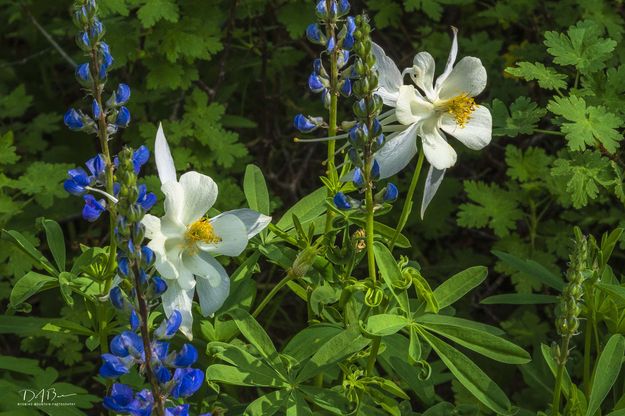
{"points": [[254, 221], [432, 183], [164, 161], [389, 77], [397, 152]]}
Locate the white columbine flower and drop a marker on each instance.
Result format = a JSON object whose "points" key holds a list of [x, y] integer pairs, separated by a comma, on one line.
{"points": [[430, 109], [185, 241]]}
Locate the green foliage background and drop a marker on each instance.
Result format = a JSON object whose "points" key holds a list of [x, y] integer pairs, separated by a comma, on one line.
{"points": [[226, 77]]}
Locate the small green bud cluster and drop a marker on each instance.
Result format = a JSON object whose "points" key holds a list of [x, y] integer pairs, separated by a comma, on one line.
{"points": [[569, 309]]}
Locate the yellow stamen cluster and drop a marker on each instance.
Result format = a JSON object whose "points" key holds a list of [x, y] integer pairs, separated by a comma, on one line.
{"points": [[200, 231], [461, 107]]}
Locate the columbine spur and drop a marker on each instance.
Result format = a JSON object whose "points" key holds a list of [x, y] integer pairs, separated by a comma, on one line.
{"points": [[430, 109], [185, 241]]}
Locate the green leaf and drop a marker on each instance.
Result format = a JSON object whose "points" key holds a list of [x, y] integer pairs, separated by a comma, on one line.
{"points": [[296, 405], [24, 245], [471, 376], [259, 373], [385, 231], [531, 268], [386, 324], [391, 274], [491, 206], [522, 118], [295, 18], [56, 241], [257, 336], [267, 405], [327, 399], [306, 209], [616, 292], [334, 350], [582, 46], [606, 372], [15, 103], [255, 189], [519, 299], [584, 174], [531, 164], [154, 10], [458, 285], [7, 149], [307, 341], [547, 77], [231, 374], [553, 366], [587, 125], [482, 342], [30, 284]]}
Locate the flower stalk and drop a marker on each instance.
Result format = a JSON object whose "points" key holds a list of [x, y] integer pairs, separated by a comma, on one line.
{"points": [[567, 322]]}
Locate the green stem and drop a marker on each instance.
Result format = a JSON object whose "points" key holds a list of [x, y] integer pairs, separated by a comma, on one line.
{"points": [[332, 119], [286, 279], [407, 208], [373, 355], [551, 132], [103, 138], [587, 347], [369, 233], [555, 407]]}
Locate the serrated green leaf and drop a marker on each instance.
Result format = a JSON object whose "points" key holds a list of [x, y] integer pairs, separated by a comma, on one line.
{"points": [[547, 77], [522, 118], [154, 10], [491, 206], [587, 125], [582, 46]]}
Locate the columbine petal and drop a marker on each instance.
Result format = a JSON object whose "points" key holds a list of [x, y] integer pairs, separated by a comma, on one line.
{"points": [[176, 298], [476, 134], [233, 234], [164, 161], [432, 182], [422, 73], [468, 77], [397, 151], [213, 290], [254, 221], [453, 52], [152, 226], [200, 193], [436, 149], [389, 77], [171, 222], [411, 107]]}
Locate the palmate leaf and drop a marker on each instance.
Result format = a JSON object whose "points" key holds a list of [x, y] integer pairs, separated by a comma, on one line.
{"points": [[587, 125], [459, 285], [584, 174], [522, 118], [531, 164], [490, 206], [154, 10], [547, 77], [582, 46]]}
